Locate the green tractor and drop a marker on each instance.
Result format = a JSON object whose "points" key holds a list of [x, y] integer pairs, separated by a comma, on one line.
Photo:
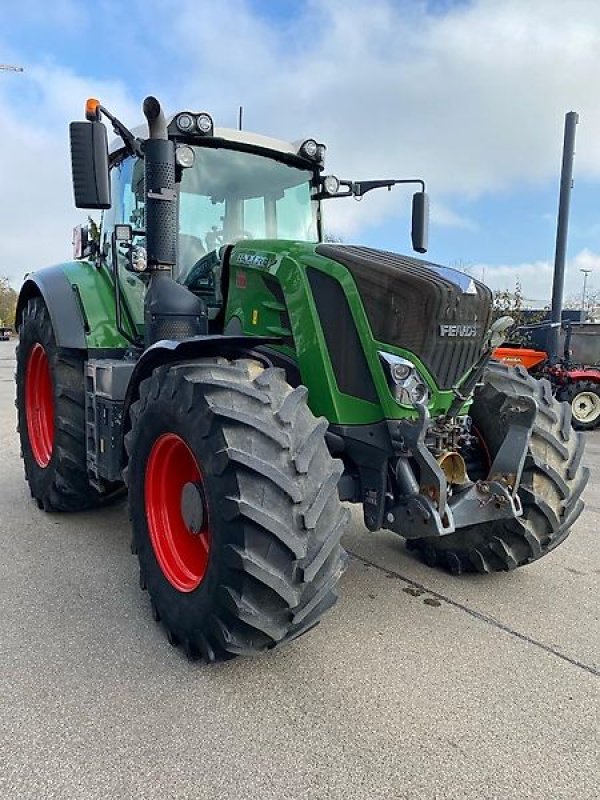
{"points": [[241, 378]]}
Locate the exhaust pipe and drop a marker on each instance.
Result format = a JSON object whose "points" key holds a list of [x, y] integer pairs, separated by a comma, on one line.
{"points": [[170, 310], [161, 196], [157, 124]]}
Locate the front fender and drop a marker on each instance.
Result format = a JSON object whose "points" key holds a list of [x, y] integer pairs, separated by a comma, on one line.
{"points": [[80, 298], [63, 304], [168, 351]]}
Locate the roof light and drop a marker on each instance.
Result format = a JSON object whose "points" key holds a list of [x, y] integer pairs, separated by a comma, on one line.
{"points": [[204, 124], [185, 122], [313, 151], [309, 149]]}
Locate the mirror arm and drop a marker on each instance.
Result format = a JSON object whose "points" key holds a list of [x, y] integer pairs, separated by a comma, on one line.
{"points": [[360, 188], [132, 143]]}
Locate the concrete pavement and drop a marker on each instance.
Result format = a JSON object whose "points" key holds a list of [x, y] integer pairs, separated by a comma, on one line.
{"points": [[417, 685]]}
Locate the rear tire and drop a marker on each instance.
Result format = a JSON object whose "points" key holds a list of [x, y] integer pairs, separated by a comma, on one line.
{"points": [[254, 558], [584, 397], [550, 489], [51, 416]]}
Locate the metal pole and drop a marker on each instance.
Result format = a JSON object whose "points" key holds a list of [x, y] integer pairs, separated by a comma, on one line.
{"points": [[566, 184], [586, 272]]}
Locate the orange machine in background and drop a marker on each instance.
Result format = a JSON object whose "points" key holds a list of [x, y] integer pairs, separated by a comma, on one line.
{"points": [[524, 356]]}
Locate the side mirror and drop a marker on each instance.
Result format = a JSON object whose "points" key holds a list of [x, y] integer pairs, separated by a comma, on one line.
{"points": [[420, 221], [89, 165], [85, 242]]}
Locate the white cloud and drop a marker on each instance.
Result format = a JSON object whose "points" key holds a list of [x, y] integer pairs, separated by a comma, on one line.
{"points": [[535, 278], [36, 203]]}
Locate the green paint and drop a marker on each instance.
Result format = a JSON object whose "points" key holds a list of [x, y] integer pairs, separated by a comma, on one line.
{"points": [[96, 290], [251, 302], [261, 313]]}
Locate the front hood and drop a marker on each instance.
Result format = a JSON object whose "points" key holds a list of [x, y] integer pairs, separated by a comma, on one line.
{"points": [[439, 314]]}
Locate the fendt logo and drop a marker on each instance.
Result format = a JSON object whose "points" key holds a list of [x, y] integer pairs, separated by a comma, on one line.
{"points": [[462, 329]]}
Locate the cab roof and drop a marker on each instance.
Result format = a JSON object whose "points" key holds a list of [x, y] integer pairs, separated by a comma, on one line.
{"points": [[229, 134]]}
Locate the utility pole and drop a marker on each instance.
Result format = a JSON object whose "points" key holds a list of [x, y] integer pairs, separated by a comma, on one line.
{"points": [[566, 184], [586, 272]]}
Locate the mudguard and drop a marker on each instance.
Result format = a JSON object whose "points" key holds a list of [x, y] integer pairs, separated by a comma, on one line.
{"points": [[168, 351], [583, 374], [63, 304]]}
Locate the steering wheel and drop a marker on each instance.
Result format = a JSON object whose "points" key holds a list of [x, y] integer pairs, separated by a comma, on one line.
{"points": [[203, 268]]}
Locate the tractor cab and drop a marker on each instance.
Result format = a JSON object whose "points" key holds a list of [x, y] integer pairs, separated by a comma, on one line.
{"points": [[214, 188], [231, 187]]}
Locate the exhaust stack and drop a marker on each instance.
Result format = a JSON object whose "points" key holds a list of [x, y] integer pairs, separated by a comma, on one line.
{"points": [[170, 310]]}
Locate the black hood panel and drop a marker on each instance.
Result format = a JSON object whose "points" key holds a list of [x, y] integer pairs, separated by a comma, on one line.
{"points": [[430, 310]]}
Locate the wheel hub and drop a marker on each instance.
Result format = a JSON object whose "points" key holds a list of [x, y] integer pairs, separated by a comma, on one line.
{"points": [[586, 406], [192, 507]]}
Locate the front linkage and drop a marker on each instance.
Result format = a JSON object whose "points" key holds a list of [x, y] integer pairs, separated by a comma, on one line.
{"points": [[435, 509]]}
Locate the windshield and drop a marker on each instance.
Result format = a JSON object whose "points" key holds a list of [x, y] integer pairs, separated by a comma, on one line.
{"points": [[230, 195]]}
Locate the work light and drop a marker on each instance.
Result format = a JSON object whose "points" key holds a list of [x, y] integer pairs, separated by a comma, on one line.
{"points": [[185, 122], [204, 123]]}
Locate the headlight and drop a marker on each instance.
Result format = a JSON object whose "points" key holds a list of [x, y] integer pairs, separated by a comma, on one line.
{"points": [[185, 123], [407, 386], [400, 371]]}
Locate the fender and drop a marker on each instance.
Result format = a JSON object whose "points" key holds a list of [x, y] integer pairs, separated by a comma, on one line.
{"points": [[80, 299], [168, 351], [592, 375], [63, 303]]}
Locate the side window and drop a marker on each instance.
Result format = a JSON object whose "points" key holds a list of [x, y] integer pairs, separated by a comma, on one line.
{"points": [[132, 210], [127, 186]]}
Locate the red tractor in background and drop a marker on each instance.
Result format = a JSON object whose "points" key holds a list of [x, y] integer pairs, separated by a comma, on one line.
{"points": [[575, 378]]}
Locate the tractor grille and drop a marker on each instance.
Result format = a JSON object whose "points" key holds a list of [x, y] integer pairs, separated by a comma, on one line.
{"points": [[429, 310]]}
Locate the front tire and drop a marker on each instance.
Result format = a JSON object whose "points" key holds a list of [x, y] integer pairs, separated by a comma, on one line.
{"points": [[51, 416], [550, 490], [234, 507]]}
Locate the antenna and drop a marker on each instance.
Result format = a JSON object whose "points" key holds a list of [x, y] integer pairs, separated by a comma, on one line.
{"points": [[240, 117]]}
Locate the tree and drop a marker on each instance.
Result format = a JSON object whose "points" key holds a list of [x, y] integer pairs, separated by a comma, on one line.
{"points": [[8, 303], [511, 304]]}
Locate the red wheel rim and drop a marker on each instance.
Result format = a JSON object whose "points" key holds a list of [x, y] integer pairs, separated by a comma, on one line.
{"points": [[182, 553], [39, 405]]}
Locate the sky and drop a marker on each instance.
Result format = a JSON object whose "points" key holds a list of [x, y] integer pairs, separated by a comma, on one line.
{"points": [[469, 95]]}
